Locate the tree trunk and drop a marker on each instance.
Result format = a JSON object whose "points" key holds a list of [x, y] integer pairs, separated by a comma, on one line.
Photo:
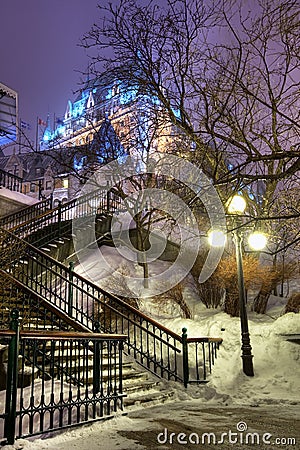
{"points": [[146, 274], [232, 306], [261, 301], [142, 260]]}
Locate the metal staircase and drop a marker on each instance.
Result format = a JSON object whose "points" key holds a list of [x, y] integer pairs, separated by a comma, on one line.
{"points": [[154, 347]]}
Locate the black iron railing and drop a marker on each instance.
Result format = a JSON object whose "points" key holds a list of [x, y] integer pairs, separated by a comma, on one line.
{"points": [[158, 349], [11, 181], [58, 221], [199, 355], [155, 347], [26, 214], [62, 379], [36, 313]]}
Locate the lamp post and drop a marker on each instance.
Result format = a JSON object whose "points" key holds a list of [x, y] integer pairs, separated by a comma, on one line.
{"points": [[246, 346], [236, 206]]}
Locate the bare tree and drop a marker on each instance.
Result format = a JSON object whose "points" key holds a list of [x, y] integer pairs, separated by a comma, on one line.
{"points": [[225, 76]]}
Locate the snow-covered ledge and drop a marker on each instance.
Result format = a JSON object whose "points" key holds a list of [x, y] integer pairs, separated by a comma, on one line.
{"points": [[11, 201]]}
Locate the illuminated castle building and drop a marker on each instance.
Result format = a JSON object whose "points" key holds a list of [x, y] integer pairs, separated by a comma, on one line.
{"points": [[104, 122], [110, 105]]}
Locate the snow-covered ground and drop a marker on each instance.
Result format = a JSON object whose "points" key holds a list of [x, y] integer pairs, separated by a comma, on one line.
{"points": [[272, 394]]}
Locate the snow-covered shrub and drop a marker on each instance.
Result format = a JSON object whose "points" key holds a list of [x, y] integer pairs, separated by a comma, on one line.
{"points": [[256, 276], [293, 304], [173, 295], [211, 292]]}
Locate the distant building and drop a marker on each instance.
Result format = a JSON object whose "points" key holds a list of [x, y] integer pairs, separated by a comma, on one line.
{"points": [[126, 108], [106, 120], [41, 175], [8, 115]]}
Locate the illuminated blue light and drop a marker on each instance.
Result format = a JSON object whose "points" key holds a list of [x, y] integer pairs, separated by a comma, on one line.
{"points": [[128, 96], [79, 162], [47, 135], [109, 94], [176, 113]]}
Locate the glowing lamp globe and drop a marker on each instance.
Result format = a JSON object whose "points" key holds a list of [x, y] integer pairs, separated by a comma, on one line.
{"points": [[216, 238], [257, 241], [237, 204]]}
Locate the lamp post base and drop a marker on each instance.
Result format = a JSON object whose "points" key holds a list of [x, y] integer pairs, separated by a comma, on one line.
{"points": [[248, 365], [246, 355]]}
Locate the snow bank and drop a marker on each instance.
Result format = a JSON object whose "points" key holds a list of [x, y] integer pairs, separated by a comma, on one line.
{"points": [[276, 360]]}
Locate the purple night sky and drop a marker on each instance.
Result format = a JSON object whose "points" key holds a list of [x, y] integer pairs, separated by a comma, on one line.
{"points": [[39, 52]]}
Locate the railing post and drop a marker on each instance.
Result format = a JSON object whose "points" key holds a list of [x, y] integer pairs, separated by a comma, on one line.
{"points": [[59, 218], [121, 348], [51, 200], [70, 288], [12, 380], [108, 197], [96, 361], [185, 357]]}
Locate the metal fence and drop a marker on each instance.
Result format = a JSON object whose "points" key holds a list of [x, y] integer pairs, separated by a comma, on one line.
{"points": [[26, 214], [57, 222], [152, 345], [57, 379], [158, 349], [10, 181]]}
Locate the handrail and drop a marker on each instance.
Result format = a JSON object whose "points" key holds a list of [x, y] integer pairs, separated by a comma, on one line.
{"points": [[93, 286], [25, 212], [62, 335], [65, 212], [17, 219], [88, 304], [50, 307], [204, 339], [10, 181], [76, 383], [29, 212]]}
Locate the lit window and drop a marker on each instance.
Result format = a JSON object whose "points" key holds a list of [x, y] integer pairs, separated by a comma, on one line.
{"points": [[65, 183]]}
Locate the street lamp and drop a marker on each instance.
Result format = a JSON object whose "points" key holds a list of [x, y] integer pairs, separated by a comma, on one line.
{"points": [[257, 241]]}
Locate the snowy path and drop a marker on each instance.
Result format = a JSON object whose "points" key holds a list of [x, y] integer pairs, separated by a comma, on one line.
{"points": [[151, 428]]}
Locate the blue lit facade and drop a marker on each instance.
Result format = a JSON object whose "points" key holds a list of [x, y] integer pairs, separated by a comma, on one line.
{"points": [[96, 103], [103, 106], [106, 121]]}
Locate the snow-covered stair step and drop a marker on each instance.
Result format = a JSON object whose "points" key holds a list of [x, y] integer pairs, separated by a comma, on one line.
{"points": [[132, 386], [59, 241], [148, 397]]}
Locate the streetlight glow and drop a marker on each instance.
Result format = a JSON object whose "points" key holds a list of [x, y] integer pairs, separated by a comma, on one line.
{"points": [[237, 205], [257, 241], [216, 238]]}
